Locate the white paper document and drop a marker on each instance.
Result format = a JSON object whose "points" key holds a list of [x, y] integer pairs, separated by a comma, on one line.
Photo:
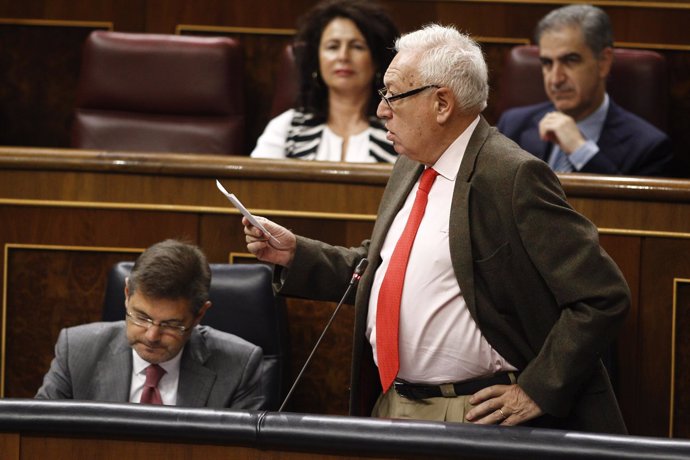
{"points": [[245, 212]]}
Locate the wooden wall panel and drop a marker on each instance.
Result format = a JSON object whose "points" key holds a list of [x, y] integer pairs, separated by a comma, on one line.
{"points": [[9, 446], [127, 15], [100, 199], [663, 260], [625, 250], [324, 387], [164, 15], [680, 395], [75, 447], [49, 288], [40, 66], [325, 383], [35, 447], [55, 262]]}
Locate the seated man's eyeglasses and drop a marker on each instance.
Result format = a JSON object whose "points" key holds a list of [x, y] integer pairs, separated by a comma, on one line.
{"points": [[164, 326], [395, 97]]}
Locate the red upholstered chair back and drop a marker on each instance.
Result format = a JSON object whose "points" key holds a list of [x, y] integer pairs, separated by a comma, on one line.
{"points": [[167, 93], [638, 82], [286, 83]]}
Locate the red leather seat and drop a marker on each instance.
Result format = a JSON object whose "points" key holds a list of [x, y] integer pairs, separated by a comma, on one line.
{"points": [[286, 85], [638, 82], [167, 93]]}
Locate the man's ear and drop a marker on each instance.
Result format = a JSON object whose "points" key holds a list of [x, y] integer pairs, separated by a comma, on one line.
{"points": [[444, 105], [605, 62], [202, 312]]}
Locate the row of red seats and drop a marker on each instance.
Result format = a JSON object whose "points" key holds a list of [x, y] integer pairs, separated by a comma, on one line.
{"points": [[147, 92]]}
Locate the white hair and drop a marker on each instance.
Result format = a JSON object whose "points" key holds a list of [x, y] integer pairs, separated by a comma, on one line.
{"points": [[452, 59]]}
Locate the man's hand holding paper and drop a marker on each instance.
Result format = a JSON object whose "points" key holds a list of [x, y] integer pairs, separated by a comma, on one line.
{"points": [[265, 249]]}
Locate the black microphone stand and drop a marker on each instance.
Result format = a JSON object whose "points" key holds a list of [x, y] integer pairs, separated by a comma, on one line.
{"points": [[356, 276]]}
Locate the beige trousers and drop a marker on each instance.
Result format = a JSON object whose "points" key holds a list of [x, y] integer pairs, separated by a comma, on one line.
{"points": [[392, 405]]}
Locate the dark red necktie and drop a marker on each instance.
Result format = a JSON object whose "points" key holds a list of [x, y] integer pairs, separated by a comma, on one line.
{"points": [[151, 394], [388, 307]]}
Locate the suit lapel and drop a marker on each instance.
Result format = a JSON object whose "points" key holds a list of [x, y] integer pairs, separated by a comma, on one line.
{"points": [[196, 380], [408, 176], [609, 140], [459, 225], [113, 375]]}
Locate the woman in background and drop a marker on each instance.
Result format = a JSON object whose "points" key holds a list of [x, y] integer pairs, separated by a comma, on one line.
{"points": [[342, 49]]}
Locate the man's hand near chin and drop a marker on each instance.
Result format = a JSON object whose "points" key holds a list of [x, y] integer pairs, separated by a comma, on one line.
{"points": [[561, 129]]}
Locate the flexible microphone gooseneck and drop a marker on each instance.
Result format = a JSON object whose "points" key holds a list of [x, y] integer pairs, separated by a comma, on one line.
{"points": [[356, 276]]}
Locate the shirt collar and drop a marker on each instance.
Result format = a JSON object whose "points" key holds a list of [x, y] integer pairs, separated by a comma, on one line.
{"points": [[448, 164], [171, 366], [592, 126]]}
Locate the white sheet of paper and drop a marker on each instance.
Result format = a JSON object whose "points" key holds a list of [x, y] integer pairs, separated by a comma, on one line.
{"points": [[245, 212]]}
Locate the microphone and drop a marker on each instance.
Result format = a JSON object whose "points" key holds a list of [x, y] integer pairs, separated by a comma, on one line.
{"points": [[356, 276]]}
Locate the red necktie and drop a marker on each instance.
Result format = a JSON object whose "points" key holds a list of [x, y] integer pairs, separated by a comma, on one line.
{"points": [[388, 307], [151, 394]]}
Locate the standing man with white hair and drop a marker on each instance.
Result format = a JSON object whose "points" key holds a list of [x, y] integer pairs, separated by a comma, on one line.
{"points": [[488, 299]]}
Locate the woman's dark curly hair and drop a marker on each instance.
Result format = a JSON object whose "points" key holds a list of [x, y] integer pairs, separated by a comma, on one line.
{"points": [[373, 22]]}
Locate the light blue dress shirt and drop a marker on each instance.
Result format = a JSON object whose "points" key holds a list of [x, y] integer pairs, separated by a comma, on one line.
{"points": [[590, 128]]}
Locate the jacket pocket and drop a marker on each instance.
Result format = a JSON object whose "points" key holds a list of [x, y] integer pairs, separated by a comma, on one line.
{"points": [[499, 258]]}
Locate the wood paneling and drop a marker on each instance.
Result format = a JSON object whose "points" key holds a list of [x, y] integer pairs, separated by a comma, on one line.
{"points": [[680, 402], [75, 203], [70, 448], [171, 196], [40, 66], [663, 260], [44, 285], [9, 446], [625, 250]]}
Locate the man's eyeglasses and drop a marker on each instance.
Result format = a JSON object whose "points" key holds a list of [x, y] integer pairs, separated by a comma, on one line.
{"points": [[395, 97], [165, 327]]}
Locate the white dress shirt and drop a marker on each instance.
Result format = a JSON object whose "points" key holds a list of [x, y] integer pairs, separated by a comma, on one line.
{"points": [[439, 342]]}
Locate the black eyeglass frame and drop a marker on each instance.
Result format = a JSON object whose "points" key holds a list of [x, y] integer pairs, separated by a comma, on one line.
{"points": [[147, 323], [395, 97]]}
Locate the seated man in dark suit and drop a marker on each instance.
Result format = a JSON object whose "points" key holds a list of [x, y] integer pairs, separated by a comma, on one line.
{"points": [[581, 129], [159, 354]]}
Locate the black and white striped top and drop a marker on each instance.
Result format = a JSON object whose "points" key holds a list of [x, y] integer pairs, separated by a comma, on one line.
{"points": [[298, 135]]}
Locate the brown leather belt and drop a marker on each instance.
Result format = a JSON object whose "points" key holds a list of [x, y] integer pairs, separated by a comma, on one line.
{"points": [[451, 390]]}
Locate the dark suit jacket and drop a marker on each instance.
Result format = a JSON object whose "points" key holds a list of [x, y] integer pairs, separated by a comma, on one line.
{"points": [[93, 362], [628, 145], [535, 279]]}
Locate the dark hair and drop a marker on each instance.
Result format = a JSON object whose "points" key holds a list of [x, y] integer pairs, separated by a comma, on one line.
{"points": [[172, 270], [593, 21], [373, 22]]}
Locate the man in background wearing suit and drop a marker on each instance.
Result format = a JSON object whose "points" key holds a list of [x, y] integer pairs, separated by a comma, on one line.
{"points": [[487, 299], [581, 129], [159, 354]]}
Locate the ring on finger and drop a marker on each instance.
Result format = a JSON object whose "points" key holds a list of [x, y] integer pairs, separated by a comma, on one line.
{"points": [[500, 411]]}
